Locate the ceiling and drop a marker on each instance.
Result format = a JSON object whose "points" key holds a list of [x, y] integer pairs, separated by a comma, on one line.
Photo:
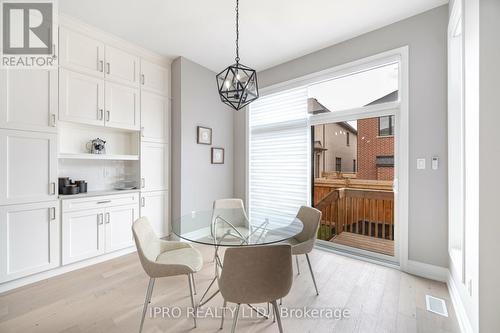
{"points": [[271, 31]]}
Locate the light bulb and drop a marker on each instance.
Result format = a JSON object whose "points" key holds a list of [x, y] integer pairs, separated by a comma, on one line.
{"points": [[228, 84], [238, 77]]}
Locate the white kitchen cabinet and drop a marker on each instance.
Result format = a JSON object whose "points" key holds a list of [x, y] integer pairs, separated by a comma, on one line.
{"points": [[81, 98], [29, 239], [122, 106], [28, 99], [118, 221], [121, 66], [81, 52], [154, 206], [154, 166], [154, 77], [155, 117], [82, 235], [28, 167]]}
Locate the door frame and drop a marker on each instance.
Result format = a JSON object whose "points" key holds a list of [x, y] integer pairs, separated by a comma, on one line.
{"points": [[401, 111]]}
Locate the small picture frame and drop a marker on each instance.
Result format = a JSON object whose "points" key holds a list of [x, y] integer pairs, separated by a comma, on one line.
{"points": [[217, 155], [204, 135]]}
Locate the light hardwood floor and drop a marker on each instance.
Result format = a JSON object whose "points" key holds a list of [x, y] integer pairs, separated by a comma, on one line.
{"points": [[108, 297]]}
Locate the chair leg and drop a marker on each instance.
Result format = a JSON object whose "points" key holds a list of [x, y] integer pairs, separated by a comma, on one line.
{"points": [[192, 299], [149, 292], [194, 284], [235, 320], [277, 316], [298, 267], [312, 274], [223, 313]]}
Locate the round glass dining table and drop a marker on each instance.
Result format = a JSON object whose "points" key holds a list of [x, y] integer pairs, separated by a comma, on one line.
{"points": [[233, 228]]}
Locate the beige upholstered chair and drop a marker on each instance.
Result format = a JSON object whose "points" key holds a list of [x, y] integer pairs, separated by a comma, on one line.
{"points": [[232, 211], [256, 274], [161, 258], [303, 243]]}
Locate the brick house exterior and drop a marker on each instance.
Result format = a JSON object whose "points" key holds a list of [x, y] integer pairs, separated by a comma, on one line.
{"points": [[375, 152]]}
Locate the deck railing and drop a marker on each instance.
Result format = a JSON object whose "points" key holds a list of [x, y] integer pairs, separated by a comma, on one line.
{"points": [[362, 211]]}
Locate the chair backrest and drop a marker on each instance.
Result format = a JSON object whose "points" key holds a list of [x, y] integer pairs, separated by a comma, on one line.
{"points": [[147, 242], [256, 274], [232, 210], [311, 218]]}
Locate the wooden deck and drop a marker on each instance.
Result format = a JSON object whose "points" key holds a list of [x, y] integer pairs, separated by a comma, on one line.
{"points": [[378, 245]]}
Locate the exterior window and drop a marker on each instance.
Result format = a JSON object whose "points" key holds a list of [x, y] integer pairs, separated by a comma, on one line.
{"points": [[386, 126], [338, 164], [347, 138], [353, 165], [385, 161]]}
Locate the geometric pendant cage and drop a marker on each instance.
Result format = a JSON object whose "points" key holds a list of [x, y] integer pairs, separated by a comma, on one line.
{"points": [[237, 86]]}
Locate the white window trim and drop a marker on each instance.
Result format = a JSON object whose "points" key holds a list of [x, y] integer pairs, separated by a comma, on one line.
{"points": [[400, 55]]}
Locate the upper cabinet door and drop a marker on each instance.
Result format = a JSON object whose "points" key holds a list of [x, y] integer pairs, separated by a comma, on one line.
{"points": [[154, 117], [81, 98], [121, 66], [81, 52], [154, 77], [122, 106], [118, 221], [28, 99], [29, 238], [28, 167], [154, 166]]}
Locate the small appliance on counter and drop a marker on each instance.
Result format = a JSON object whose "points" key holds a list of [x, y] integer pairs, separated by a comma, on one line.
{"points": [[96, 146], [67, 186]]}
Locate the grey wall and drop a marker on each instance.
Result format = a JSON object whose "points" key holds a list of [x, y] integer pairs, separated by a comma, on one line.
{"points": [[427, 39], [196, 183]]}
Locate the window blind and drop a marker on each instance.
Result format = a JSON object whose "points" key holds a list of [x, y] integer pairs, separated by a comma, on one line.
{"points": [[279, 173]]}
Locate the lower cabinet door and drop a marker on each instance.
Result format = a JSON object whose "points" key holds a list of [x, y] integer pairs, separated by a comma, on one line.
{"points": [[118, 221], [29, 239], [82, 235], [154, 206]]}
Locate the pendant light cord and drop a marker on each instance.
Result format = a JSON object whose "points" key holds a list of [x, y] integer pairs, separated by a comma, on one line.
{"points": [[237, 33]]}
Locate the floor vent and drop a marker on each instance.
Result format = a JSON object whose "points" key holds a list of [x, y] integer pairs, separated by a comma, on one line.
{"points": [[436, 305]]}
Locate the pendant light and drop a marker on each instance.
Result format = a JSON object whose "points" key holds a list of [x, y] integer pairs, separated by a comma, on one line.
{"points": [[237, 84]]}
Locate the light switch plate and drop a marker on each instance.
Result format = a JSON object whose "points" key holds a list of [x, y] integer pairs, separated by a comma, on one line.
{"points": [[435, 163], [420, 163]]}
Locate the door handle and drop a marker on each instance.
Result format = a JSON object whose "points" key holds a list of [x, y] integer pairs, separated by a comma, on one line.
{"points": [[52, 188], [108, 66], [107, 218], [99, 219], [53, 119], [52, 213]]}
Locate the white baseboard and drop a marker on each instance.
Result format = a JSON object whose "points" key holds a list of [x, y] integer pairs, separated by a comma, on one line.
{"points": [[463, 319], [427, 271], [7, 286]]}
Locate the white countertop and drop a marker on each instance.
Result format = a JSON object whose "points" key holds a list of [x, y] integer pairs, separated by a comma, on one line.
{"points": [[95, 194]]}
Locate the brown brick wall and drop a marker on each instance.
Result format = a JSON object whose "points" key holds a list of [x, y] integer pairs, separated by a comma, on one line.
{"points": [[369, 147]]}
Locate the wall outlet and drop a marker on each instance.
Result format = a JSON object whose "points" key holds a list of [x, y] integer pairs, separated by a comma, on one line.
{"points": [[435, 163]]}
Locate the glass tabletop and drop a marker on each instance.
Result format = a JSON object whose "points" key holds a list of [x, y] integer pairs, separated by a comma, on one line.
{"points": [[232, 227]]}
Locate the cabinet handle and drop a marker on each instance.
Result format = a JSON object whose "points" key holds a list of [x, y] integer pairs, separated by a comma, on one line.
{"points": [[52, 213], [52, 188], [143, 79], [108, 66], [107, 219], [99, 219], [53, 120], [143, 182], [54, 51], [143, 202], [103, 202], [100, 114], [101, 66], [142, 131], [108, 115]]}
